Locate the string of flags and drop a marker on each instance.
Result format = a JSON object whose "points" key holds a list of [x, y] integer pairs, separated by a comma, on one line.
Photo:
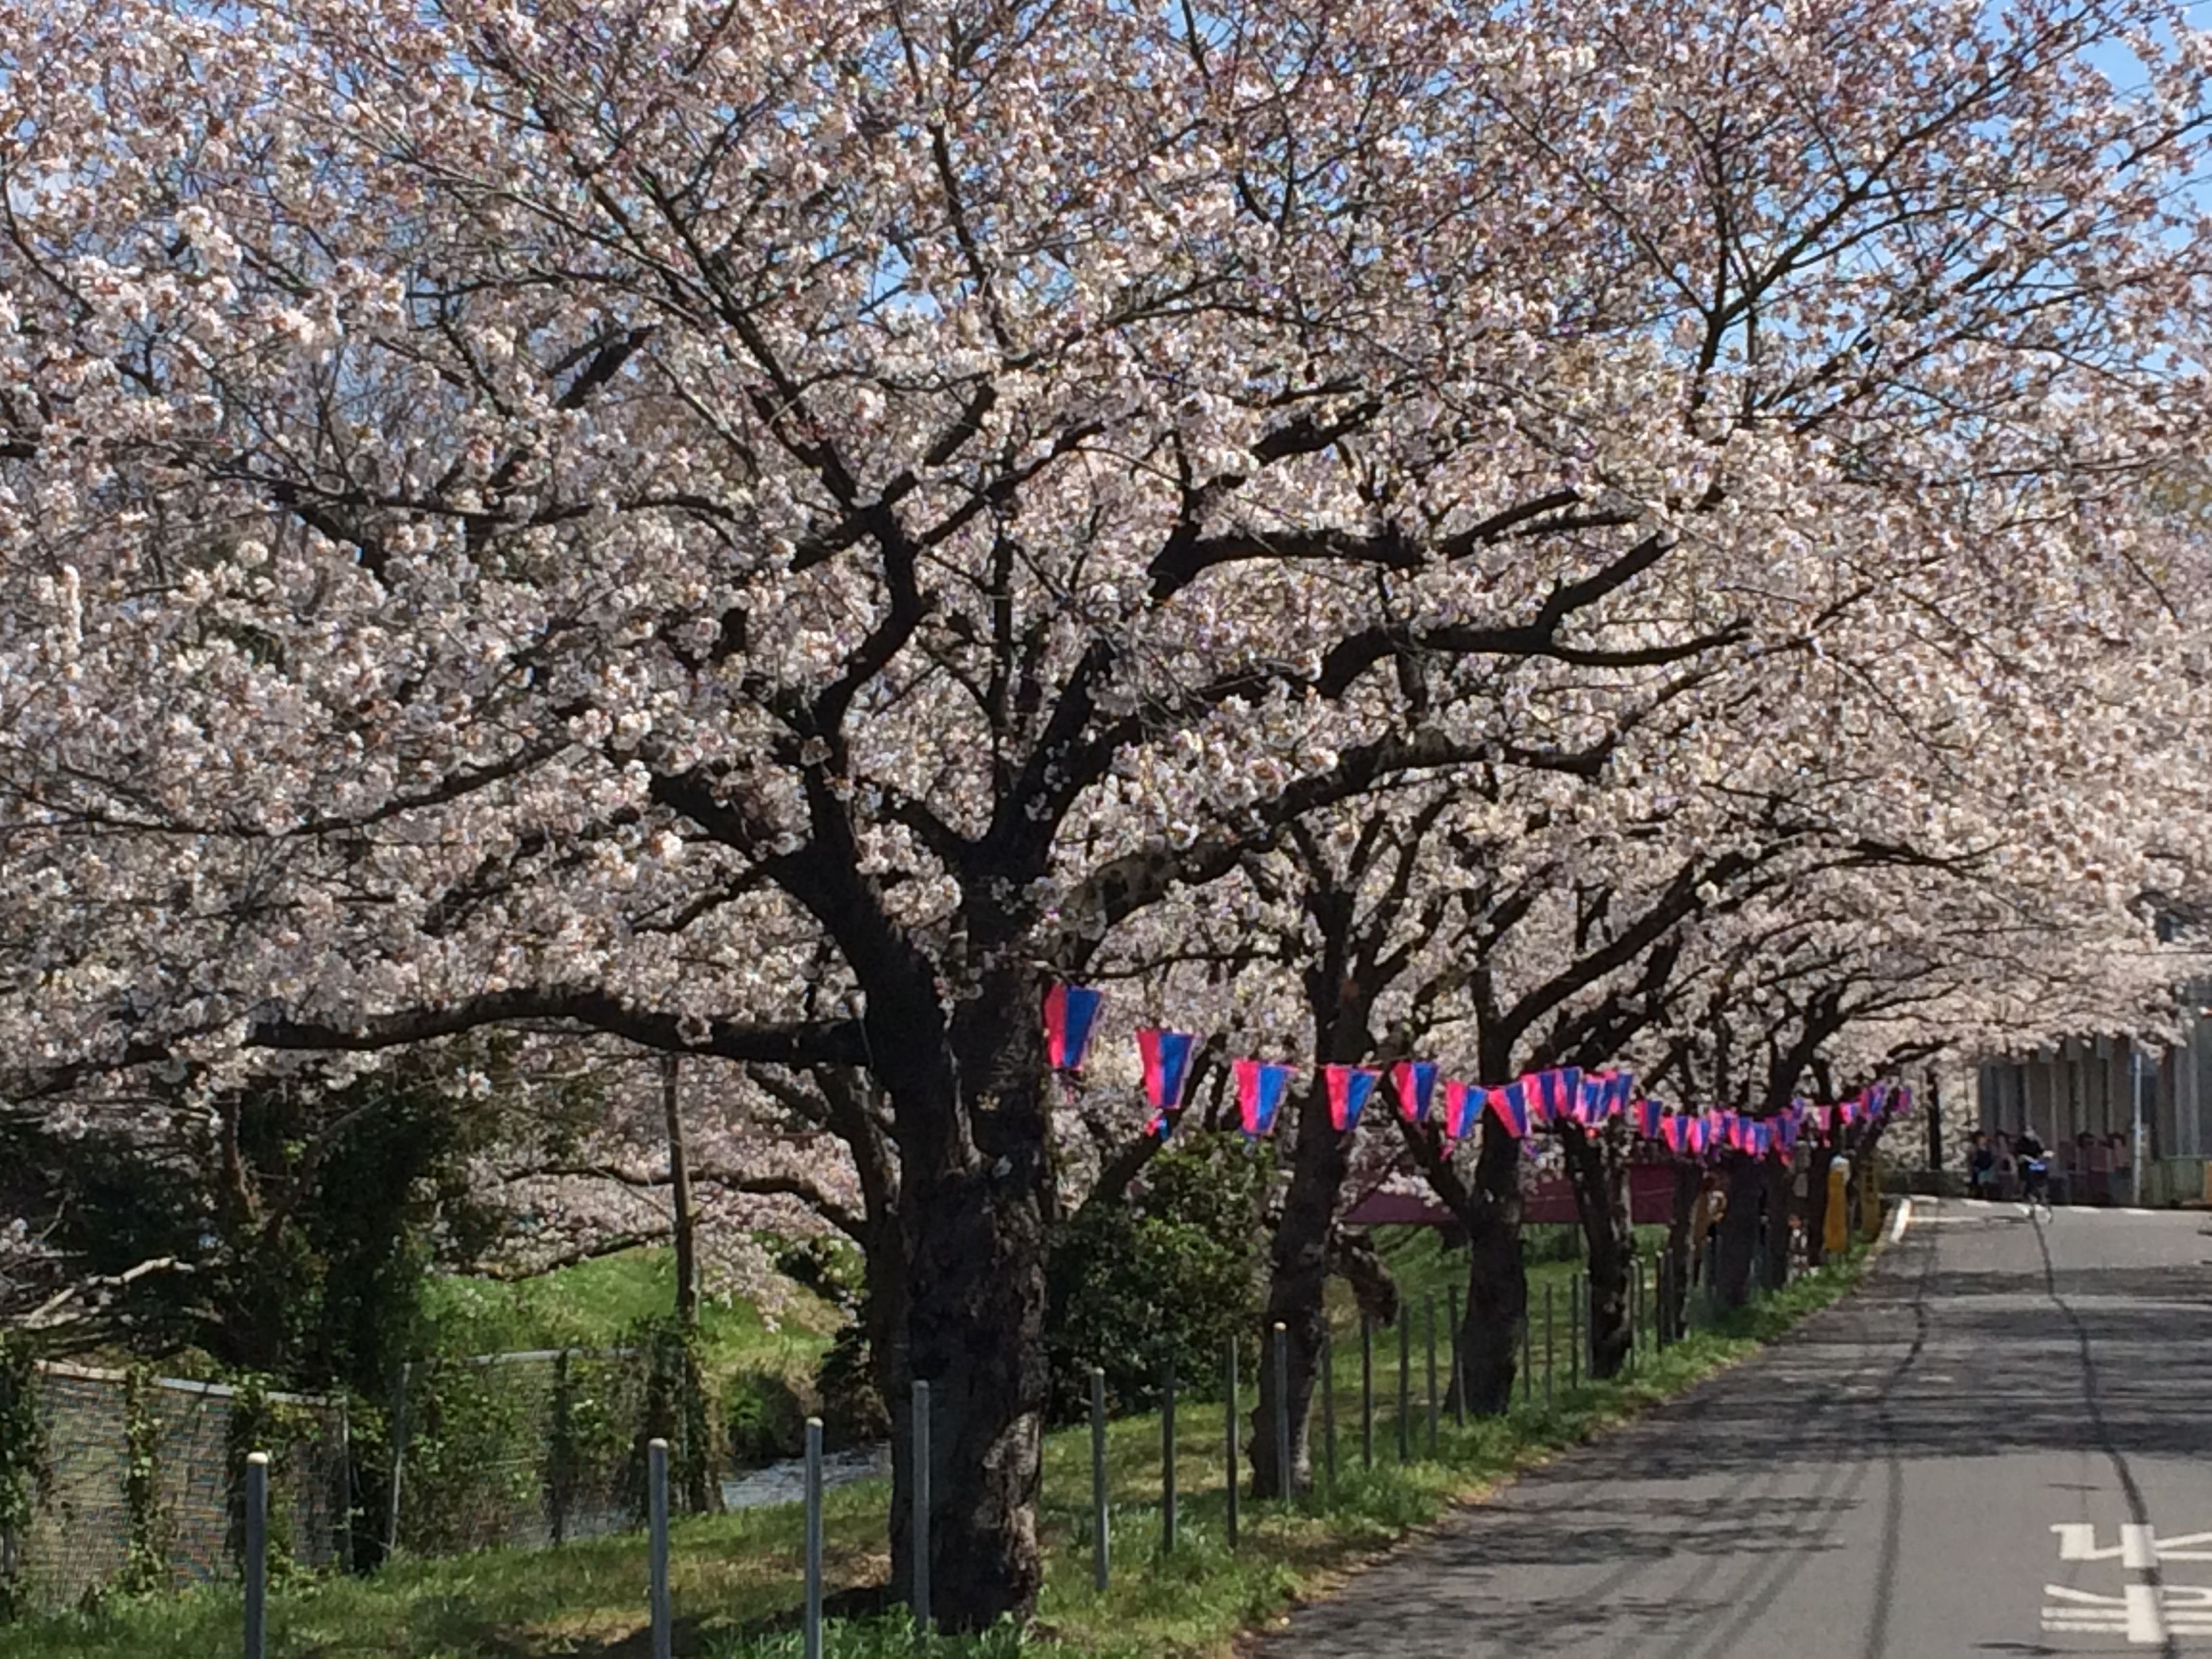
{"points": [[1561, 1094]]}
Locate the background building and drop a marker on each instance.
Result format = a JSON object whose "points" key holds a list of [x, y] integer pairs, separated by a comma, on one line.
{"points": [[2087, 1083]]}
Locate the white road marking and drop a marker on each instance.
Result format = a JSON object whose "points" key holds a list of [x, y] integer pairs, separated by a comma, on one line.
{"points": [[1904, 1220], [2137, 1550], [2145, 1612], [2146, 1617]]}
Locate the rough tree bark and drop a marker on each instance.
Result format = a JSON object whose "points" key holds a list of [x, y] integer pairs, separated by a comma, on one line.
{"points": [[1597, 1166], [1746, 1185], [1689, 1177], [1497, 1278], [974, 1201], [1779, 1178]]}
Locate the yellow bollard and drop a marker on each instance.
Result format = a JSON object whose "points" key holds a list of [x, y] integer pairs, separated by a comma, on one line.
{"points": [[1836, 1233]]}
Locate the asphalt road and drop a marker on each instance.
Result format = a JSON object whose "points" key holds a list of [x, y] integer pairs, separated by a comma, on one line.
{"points": [[2002, 1445]]}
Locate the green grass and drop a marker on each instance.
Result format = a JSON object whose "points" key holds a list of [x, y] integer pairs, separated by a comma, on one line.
{"points": [[736, 1578], [596, 1304]]}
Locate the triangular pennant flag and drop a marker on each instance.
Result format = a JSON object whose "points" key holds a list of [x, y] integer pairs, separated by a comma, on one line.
{"points": [[1070, 1013], [1647, 1114], [1348, 1089], [1416, 1080], [1509, 1106], [1463, 1110], [1671, 1130], [1166, 1055], [1260, 1088], [1558, 1095]]}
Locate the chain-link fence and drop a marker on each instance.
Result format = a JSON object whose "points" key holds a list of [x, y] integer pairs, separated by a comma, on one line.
{"points": [[527, 1449], [136, 1486]]}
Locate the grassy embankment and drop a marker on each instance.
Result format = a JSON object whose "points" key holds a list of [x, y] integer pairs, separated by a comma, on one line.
{"points": [[736, 1578]]}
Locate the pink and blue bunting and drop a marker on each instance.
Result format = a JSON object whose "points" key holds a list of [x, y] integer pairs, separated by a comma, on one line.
{"points": [[1416, 1083], [1071, 1012], [1349, 1087], [1260, 1088], [1166, 1055], [1559, 1093], [1648, 1113], [1463, 1104], [1509, 1106]]}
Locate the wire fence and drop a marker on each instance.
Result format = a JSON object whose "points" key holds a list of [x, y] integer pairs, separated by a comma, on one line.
{"points": [[525, 1450], [138, 1485]]}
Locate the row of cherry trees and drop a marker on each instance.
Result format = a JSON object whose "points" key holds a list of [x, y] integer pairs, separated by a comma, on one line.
{"points": [[767, 533]]}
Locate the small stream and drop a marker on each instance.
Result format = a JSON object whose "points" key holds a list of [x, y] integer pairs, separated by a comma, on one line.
{"points": [[786, 1482]]}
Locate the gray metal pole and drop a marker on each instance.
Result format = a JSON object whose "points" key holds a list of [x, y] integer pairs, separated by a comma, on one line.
{"points": [[918, 1434], [1167, 1460], [1366, 1391], [1458, 1390], [1548, 1347], [1527, 1353], [398, 1457], [1328, 1414], [1575, 1324], [1286, 1478], [257, 1555], [1429, 1311], [1101, 1565], [812, 1627], [1229, 1417], [656, 1501], [1405, 1383]]}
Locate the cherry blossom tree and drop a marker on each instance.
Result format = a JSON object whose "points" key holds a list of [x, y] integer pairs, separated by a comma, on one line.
{"points": [[768, 534]]}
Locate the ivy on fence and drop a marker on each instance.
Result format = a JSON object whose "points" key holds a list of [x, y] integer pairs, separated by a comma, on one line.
{"points": [[22, 1463], [146, 1535]]}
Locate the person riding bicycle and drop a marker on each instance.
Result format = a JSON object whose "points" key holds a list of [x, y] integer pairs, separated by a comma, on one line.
{"points": [[2034, 1170]]}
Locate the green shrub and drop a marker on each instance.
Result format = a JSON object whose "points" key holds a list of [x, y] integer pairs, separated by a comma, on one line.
{"points": [[764, 1416], [1170, 1274]]}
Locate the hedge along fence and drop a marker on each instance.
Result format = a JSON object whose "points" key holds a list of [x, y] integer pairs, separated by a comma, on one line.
{"points": [[524, 1450], [125, 1482]]}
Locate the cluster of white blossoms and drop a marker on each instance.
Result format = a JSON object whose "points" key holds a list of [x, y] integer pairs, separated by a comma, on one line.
{"points": [[768, 530]]}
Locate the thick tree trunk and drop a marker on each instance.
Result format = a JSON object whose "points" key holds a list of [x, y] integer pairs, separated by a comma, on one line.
{"points": [[1297, 1278], [1778, 1177], [1682, 1244], [974, 1201], [1597, 1169], [1746, 1185], [1497, 1278]]}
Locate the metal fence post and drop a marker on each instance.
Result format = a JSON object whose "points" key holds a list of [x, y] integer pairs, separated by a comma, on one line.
{"points": [[1458, 1390], [1101, 1566], [398, 1457], [1548, 1347], [1366, 1391], [1167, 1459], [1328, 1414], [257, 1555], [1405, 1383], [1285, 1477], [918, 1436], [812, 1628], [656, 1490], [1230, 1424], [1575, 1322], [1429, 1305]]}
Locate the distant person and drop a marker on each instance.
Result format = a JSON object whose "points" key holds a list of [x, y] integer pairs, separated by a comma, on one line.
{"points": [[2034, 1171], [1981, 1168]]}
